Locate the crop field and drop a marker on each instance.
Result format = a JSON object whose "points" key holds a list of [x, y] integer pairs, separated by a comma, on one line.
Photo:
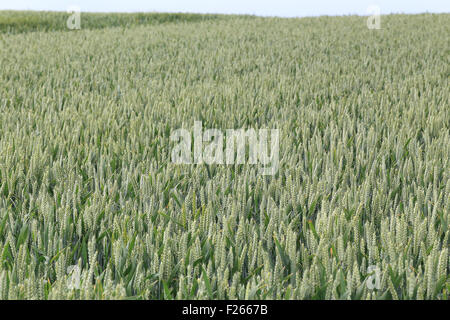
{"points": [[93, 207]]}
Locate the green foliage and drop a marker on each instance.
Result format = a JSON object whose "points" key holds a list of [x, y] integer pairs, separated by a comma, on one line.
{"points": [[14, 22], [86, 178]]}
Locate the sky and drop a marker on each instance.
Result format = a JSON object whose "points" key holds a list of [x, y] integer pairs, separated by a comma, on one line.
{"points": [[281, 8]]}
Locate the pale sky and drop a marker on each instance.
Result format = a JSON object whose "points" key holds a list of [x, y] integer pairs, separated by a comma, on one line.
{"points": [[283, 8]]}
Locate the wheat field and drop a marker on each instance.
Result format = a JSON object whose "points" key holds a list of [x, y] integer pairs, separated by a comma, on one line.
{"points": [[92, 207]]}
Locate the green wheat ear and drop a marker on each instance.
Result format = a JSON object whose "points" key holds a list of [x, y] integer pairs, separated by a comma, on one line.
{"points": [[92, 207]]}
